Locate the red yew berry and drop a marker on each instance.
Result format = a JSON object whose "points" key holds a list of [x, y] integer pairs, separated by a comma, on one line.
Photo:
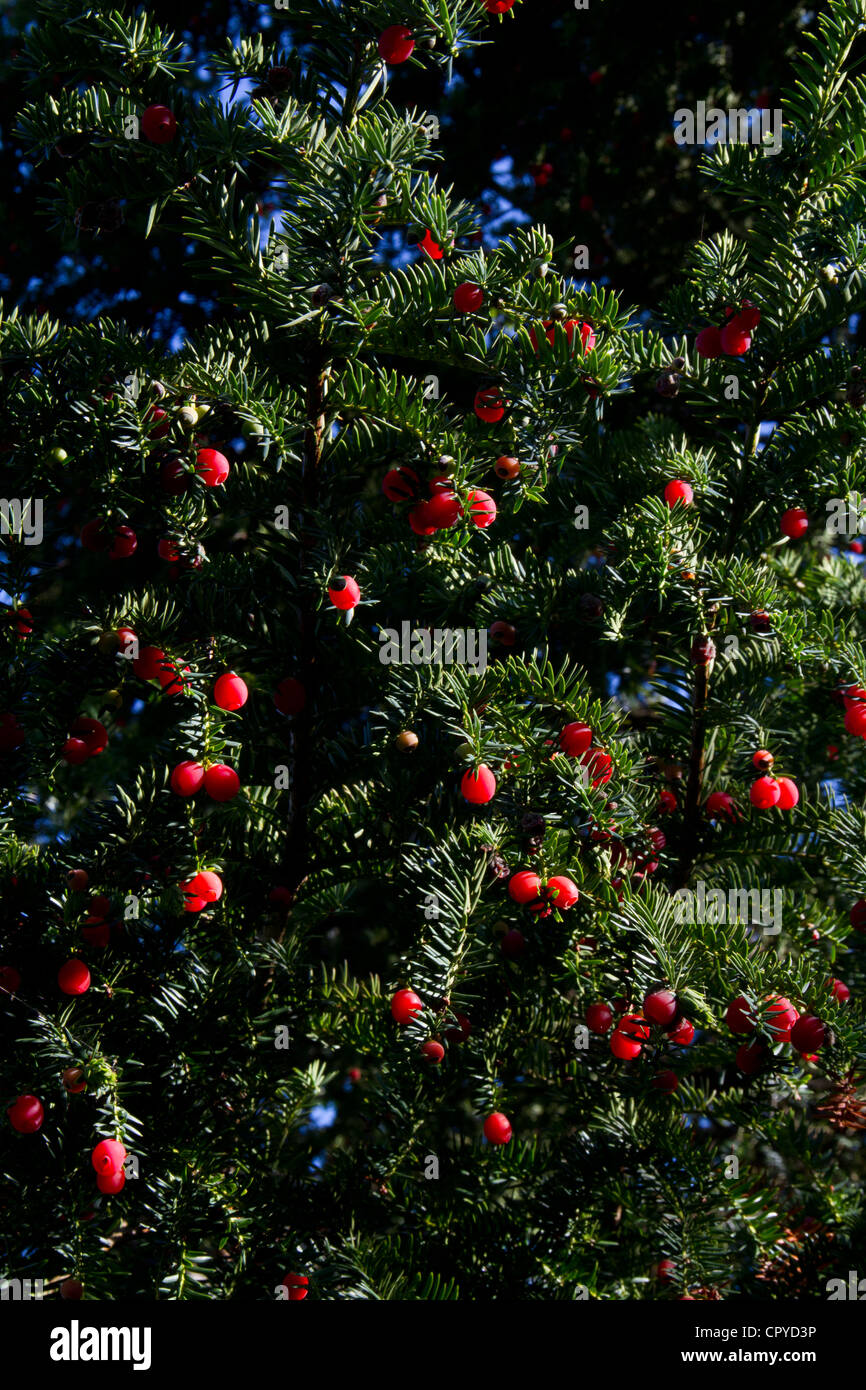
{"points": [[433, 1051], [440, 512], [433, 249], [789, 794], [108, 1157], [599, 766], [123, 544], [667, 803], [158, 125], [296, 1284], [664, 1271], [503, 633], [93, 733], [855, 719], [524, 887], [682, 1034], [74, 1081], [344, 593], [497, 1128], [760, 621], [290, 696], [26, 1114], [666, 1081], [794, 523], [10, 979], [762, 760], [468, 298], [739, 1016], [111, 1183], [734, 340], [751, 1056], [405, 1004], [498, 6], [575, 739], [75, 752], [634, 1027], [708, 343], [764, 793], [561, 892], [221, 782], [780, 1019], [599, 1017], [230, 692], [187, 778], [74, 977], [478, 785], [857, 915], [489, 404], [395, 44], [679, 491], [720, 804], [482, 509], [808, 1033], [625, 1048], [840, 991], [212, 467], [506, 467], [660, 1006], [203, 888], [149, 663], [399, 484]]}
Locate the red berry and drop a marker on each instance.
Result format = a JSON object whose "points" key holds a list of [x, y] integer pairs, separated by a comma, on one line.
{"points": [[109, 1156], [158, 124], [513, 944], [789, 794], [857, 915], [344, 592], [440, 512], [94, 535], [187, 778], [212, 467], [290, 696], [498, 6], [468, 298], [221, 782], [626, 1049], [750, 1056], [503, 633], [10, 979], [74, 977], [855, 719], [174, 478], [667, 803], [575, 739], [708, 343], [634, 1027], [759, 621], [664, 1271], [561, 892], [230, 692], [418, 519], [399, 484], [599, 1017], [720, 804], [75, 752], [297, 1287], [111, 1182], [840, 991], [167, 549], [12, 735], [808, 1033], [404, 1005], [433, 1051], [525, 887], [170, 679], [71, 1288], [203, 888], [489, 405], [149, 663], [497, 1128], [281, 896], [26, 1114], [433, 249], [98, 935], [739, 1016], [98, 908], [22, 622], [748, 317], [599, 766], [794, 523], [679, 491], [74, 1081], [666, 1081], [762, 760], [395, 44], [734, 339], [660, 1006], [682, 1034], [569, 326], [780, 1019], [482, 509], [93, 733], [124, 544], [478, 785], [764, 793], [506, 467]]}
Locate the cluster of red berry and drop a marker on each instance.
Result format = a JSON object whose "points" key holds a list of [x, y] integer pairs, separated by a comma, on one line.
{"points": [[734, 337], [442, 508]]}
